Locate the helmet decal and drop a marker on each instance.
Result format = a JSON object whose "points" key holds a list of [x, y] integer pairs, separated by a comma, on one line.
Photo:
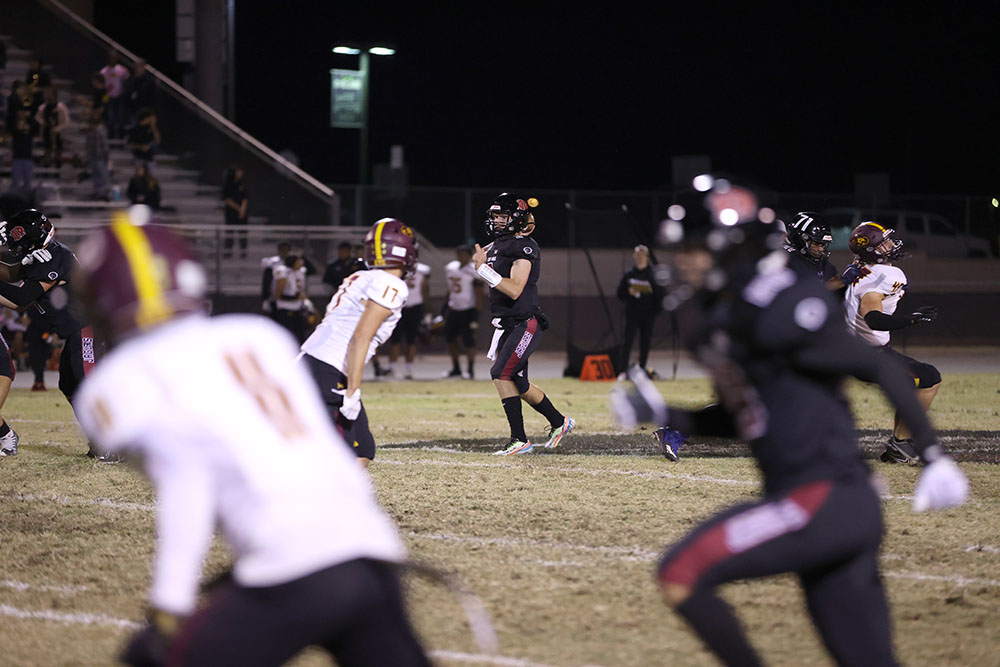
{"points": [[17, 233], [148, 273]]}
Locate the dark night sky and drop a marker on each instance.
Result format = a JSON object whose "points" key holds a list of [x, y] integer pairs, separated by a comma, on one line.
{"points": [[601, 99]]}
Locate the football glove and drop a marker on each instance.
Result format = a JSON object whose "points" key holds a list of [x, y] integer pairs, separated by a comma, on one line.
{"points": [[3, 232], [941, 485], [351, 407], [640, 403], [41, 256], [851, 273], [924, 314], [148, 646]]}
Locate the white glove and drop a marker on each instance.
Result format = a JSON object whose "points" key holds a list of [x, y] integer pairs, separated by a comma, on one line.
{"points": [[941, 485], [642, 403], [41, 256], [428, 319], [351, 407]]}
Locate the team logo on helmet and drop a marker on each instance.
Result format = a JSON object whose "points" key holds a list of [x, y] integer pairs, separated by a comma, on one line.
{"points": [[16, 234], [861, 241]]}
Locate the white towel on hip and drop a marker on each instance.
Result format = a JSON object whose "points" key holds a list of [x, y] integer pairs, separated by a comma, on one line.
{"points": [[497, 332]]}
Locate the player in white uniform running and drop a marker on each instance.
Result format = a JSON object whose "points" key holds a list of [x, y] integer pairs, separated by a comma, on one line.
{"points": [[465, 299], [416, 310], [230, 431], [359, 318], [870, 303]]}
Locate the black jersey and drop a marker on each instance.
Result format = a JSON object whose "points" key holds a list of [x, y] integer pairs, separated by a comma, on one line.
{"points": [[802, 265], [501, 256], [56, 310], [761, 351]]}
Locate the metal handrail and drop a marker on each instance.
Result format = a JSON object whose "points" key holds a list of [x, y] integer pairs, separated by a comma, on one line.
{"points": [[316, 186]]}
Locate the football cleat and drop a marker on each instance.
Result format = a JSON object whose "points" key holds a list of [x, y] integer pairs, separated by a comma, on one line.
{"points": [[670, 441], [899, 451], [453, 373], [515, 447], [38, 386], [8, 444], [556, 433]]}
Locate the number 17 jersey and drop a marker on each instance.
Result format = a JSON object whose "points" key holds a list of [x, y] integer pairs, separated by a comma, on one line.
{"points": [[329, 341]]}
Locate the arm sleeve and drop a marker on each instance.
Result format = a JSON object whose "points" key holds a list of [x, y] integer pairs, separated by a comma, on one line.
{"points": [[22, 295], [879, 321], [843, 354], [712, 420], [623, 288], [185, 521]]}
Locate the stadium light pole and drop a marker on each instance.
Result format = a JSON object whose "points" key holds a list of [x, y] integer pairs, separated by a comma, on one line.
{"points": [[363, 53]]}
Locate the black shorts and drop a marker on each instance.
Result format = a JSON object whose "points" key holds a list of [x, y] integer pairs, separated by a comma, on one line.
{"points": [[332, 383], [826, 532], [353, 610], [459, 323], [6, 360], [408, 325], [924, 375], [513, 349]]}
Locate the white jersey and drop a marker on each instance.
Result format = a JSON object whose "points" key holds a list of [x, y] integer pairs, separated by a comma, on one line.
{"points": [[461, 285], [328, 342], [233, 432], [295, 284], [415, 283], [890, 281]]}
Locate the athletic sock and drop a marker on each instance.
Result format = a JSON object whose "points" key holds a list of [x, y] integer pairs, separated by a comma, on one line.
{"points": [[718, 627], [547, 410], [512, 406], [4, 429], [455, 367]]}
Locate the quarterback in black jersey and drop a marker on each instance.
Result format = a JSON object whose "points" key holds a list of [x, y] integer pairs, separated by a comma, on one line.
{"points": [[776, 348], [510, 265], [44, 268]]}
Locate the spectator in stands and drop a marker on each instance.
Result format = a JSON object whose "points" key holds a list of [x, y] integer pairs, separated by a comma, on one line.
{"points": [[18, 100], [234, 196], [22, 163], [341, 267], [99, 95], [144, 138], [97, 155], [38, 80], [143, 188], [53, 119], [115, 74], [141, 89]]}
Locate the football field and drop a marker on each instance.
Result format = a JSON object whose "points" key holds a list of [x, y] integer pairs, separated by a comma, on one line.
{"points": [[560, 545]]}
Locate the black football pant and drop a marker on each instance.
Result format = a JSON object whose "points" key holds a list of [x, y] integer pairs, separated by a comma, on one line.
{"points": [[513, 349], [332, 383], [826, 532], [354, 610], [643, 325], [76, 361], [39, 350]]}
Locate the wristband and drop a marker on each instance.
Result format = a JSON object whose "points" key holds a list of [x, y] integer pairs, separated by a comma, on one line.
{"points": [[487, 273]]}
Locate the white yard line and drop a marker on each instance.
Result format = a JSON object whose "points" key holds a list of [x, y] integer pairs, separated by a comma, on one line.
{"points": [[626, 554], [982, 548], [950, 578], [584, 471], [23, 586], [68, 618], [65, 500], [482, 659]]}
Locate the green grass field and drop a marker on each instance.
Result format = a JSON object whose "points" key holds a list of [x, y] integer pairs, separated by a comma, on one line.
{"points": [[559, 545]]}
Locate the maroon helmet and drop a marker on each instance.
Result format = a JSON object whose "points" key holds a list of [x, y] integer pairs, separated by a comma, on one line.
{"points": [[390, 244], [875, 244], [133, 278]]}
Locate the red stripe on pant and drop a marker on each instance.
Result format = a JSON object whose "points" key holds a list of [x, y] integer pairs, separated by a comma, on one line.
{"points": [[530, 327], [712, 547]]}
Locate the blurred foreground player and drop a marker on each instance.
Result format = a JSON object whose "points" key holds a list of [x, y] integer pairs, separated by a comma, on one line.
{"points": [[871, 302], [315, 556], [510, 265], [778, 353], [361, 316]]}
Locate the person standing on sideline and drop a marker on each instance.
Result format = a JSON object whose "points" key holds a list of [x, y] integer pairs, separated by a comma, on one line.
{"points": [[415, 313], [359, 318], [290, 294], [267, 266], [234, 198], [340, 268], [871, 301], [778, 354], [641, 295], [510, 265], [246, 448], [465, 300], [97, 154]]}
